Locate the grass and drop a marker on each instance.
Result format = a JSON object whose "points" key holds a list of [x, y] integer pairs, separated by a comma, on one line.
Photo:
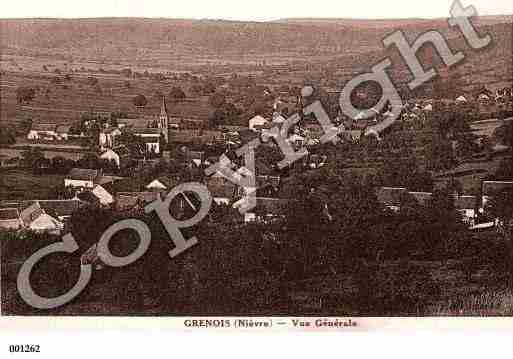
{"points": [[499, 303], [18, 184]]}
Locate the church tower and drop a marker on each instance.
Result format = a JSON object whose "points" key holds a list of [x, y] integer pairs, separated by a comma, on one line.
{"points": [[164, 119]]}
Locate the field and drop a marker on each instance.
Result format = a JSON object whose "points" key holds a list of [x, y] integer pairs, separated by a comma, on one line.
{"points": [[23, 185], [66, 101]]}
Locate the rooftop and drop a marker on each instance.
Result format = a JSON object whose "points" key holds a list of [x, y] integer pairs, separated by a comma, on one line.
{"points": [[9, 214], [82, 174]]}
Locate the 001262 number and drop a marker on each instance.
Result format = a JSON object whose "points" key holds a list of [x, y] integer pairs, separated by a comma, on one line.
{"points": [[24, 348]]}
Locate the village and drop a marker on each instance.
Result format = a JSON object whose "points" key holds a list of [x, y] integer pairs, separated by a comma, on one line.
{"points": [[176, 149]]}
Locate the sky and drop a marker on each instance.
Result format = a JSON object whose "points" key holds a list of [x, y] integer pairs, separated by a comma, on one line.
{"points": [[247, 10]]}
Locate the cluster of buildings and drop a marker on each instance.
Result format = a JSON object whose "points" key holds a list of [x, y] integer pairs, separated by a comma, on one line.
{"points": [[91, 187], [470, 207]]}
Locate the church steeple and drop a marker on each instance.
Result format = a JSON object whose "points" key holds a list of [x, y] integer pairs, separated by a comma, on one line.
{"points": [[164, 119]]}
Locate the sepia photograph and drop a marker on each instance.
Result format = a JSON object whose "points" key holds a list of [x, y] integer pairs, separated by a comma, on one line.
{"points": [[256, 165]]}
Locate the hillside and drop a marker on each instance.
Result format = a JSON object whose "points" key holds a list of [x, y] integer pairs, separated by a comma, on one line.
{"points": [[163, 42]]}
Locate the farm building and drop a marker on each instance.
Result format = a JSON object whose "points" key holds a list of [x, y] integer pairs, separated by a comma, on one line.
{"points": [[257, 121], [81, 178], [490, 188], [43, 131], [35, 218], [119, 155], [63, 132]]}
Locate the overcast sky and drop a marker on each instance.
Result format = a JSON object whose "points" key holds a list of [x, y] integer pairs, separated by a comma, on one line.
{"points": [[259, 10]]}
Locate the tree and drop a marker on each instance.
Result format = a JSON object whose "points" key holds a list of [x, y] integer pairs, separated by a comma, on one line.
{"points": [[501, 207], [140, 101], [505, 170], [177, 94], [217, 100], [93, 81], [25, 94], [30, 156], [60, 165], [7, 136]]}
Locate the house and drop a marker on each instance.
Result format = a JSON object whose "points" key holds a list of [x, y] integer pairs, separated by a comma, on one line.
{"points": [[107, 137], [257, 121], [63, 132], [81, 178], [42, 131], [130, 200], [266, 209], [10, 219], [161, 184], [150, 137], [391, 197], [61, 209], [461, 99], [36, 219], [466, 205], [490, 188], [119, 155], [104, 197], [222, 190]]}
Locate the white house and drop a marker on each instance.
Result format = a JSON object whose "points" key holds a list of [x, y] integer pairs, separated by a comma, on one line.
{"points": [[35, 218], [45, 131], [461, 99], [81, 178], [103, 195], [150, 137], [110, 155], [257, 121], [162, 184]]}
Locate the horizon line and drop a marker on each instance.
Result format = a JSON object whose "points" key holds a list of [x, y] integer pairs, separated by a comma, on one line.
{"points": [[281, 19]]}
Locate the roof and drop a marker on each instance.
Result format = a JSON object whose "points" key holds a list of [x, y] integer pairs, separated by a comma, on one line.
{"points": [[422, 198], [465, 202], [121, 151], [29, 214], [43, 127], [103, 195], [9, 214], [146, 131], [492, 187], [130, 199], [63, 128], [88, 196], [62, 208], [167, 181], [390, 196], [82, 174]]}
